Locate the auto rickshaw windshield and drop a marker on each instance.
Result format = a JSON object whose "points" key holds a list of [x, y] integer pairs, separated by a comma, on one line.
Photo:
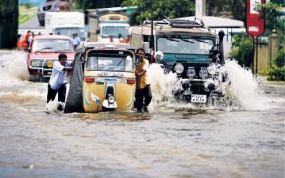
{"points": [[118, 63]]}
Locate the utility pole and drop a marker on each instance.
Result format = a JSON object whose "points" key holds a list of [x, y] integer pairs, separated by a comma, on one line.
{"points": [[200, 8]]}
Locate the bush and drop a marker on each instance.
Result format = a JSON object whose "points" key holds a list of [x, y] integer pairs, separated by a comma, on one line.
{"points": [[276, 73], [279, 59], [242, 51]]}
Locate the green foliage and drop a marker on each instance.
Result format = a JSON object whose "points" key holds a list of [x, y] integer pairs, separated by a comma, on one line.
{"points": [[28, 5], [91, 4], [147, 9], [159, 9], [279, 59], [234, 7], [276, 73], [242, 51], [270, 12], [24, 18]]}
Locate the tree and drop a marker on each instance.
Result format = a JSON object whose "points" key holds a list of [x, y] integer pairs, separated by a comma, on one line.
{"points": [[279, 59], [233, 8], [242, 50], [95, 4], [159, 9], [9, 23], [270, 12]]}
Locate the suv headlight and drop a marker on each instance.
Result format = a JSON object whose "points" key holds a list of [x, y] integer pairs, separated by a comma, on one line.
{"points": [[178, 68], [211, 69], [35, 63]]}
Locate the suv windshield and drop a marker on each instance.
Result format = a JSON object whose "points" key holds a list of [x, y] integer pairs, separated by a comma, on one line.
{"points": [[184, 44], [52, 45], [113, 63]]}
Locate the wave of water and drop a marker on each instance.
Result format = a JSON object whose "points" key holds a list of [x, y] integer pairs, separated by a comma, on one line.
{"points": [[245, 87], [244, 90]]}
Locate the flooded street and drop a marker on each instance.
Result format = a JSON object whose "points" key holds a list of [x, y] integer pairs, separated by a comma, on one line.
{"points": [[175, 140]]}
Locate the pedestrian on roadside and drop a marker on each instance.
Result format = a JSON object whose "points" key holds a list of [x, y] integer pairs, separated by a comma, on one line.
{"points": [[143, 91], [27, 36], [57, 81], [76, 40], [31, 38]]}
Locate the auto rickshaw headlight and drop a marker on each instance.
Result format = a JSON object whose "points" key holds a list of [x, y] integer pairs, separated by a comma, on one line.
{"points": [[111, 99], [49, 64]]}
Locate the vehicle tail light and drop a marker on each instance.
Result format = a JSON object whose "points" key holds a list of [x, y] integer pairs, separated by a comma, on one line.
{"points": [[89, 80], [131, 81]]}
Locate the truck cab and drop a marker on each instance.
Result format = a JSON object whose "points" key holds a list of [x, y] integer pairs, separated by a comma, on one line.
{"points": [[65, 23], [103, 25], [189, 49]]}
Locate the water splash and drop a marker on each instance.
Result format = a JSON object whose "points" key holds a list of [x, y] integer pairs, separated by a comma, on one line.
{"points": [[14, 76], [13, 66], [161, 84], [244, 87], [243, 92]]}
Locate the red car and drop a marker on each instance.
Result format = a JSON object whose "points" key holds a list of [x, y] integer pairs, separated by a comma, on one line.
{"points": [[43, 51], [22, 41]]}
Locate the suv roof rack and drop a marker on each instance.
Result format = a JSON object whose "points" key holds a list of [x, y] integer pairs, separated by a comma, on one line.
{"points": [[155, 23], [178, 23]]}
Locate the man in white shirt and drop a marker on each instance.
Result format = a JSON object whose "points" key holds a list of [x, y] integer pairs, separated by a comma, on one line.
{"points": [[57, 81], [76, 40]]}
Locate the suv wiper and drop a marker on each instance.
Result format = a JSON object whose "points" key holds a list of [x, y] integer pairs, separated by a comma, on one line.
{"points": [[43, 49], [68, 50], [188, 41], [171, 39], [201, 40]]}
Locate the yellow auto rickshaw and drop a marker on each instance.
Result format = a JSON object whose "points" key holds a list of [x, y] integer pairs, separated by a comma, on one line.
{"points": [[103, 78]]}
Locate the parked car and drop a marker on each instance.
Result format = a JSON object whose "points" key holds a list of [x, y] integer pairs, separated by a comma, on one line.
{"points": [[43, 51], [52, 6], [103, 78]]}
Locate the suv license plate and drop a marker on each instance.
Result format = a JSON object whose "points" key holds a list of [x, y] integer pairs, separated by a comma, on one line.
{"points": [[198, 98]]}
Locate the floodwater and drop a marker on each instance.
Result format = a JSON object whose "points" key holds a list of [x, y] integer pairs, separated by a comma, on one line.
{"points": [[244, 139]]}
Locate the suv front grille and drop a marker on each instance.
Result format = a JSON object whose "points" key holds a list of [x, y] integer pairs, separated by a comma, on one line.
{"points": [[46, 8]]}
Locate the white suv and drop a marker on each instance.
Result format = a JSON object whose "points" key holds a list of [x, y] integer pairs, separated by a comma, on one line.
{"points": [[48, 6]]}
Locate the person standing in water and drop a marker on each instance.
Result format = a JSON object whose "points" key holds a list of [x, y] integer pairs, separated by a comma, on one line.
{"points": [[143, 90], [57, 81]]}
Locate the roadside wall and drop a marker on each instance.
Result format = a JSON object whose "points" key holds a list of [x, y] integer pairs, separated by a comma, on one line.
{"points": [[266, 52]]}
